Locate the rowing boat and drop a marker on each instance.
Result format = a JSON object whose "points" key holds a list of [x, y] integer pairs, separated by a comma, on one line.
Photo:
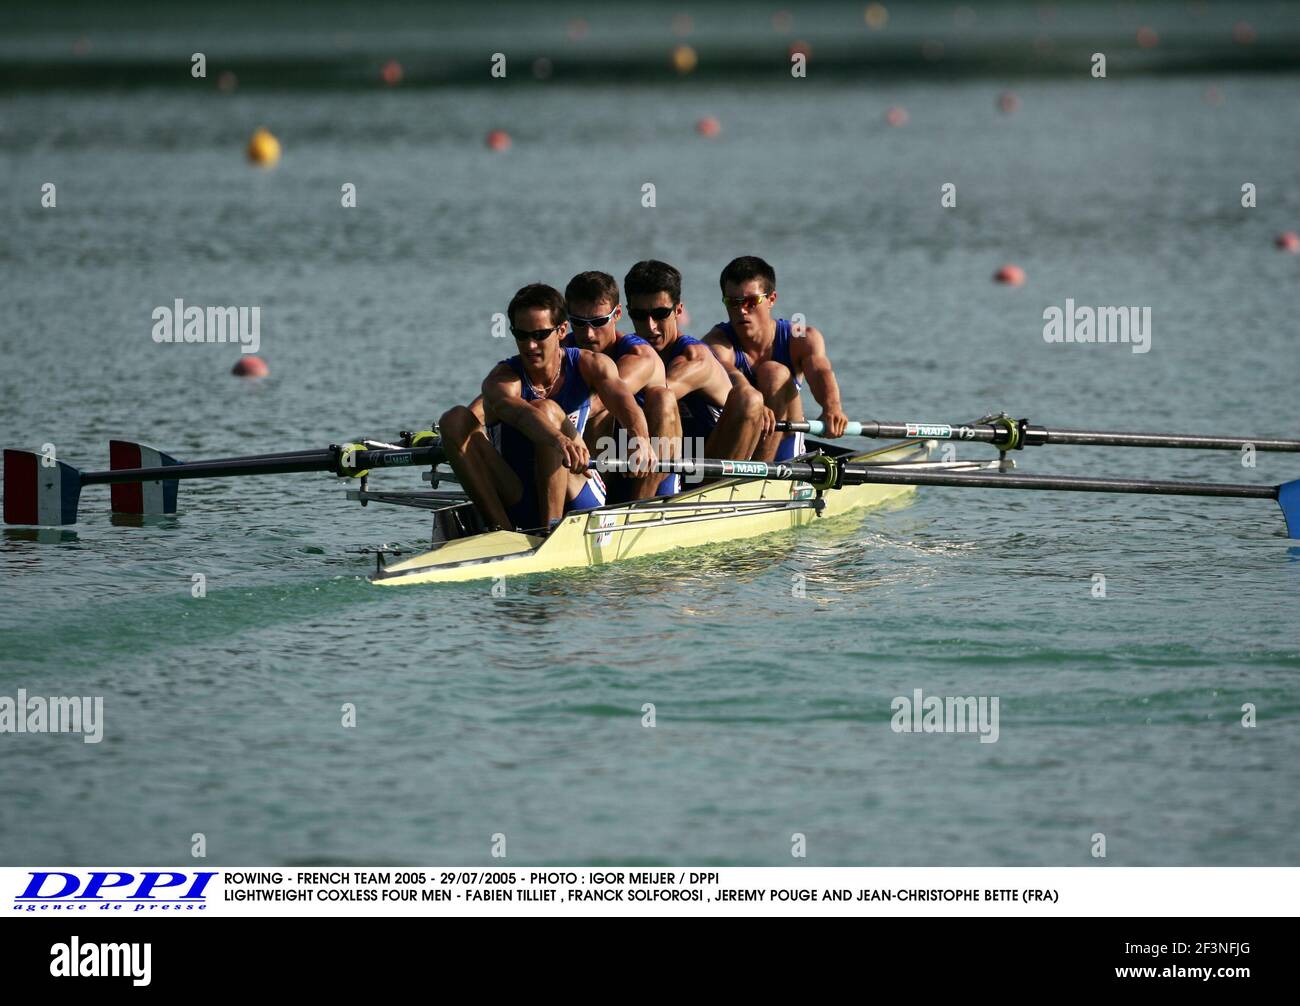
{"points": [[727, 510], [742, 499]]}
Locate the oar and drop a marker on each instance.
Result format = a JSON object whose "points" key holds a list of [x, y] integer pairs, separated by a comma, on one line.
{"points": [[830, 473], [1011, 434], [40, 492]]}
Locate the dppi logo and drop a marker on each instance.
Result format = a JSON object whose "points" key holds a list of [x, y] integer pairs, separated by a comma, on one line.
{"points": [[53, 890]]}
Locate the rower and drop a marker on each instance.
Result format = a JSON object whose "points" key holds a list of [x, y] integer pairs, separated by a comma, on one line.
{"points": [[717, 416], [592, 301], [526, 464], [774, 355]]}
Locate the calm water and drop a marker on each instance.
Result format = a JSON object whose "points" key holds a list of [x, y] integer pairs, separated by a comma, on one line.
{"points": [[522, 714]]}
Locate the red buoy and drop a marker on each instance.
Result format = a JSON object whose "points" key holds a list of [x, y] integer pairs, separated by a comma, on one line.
{"points": [[708, 126], [498, 139], [250, 366], [1011, 275], [896, 116], [1288, 241]]}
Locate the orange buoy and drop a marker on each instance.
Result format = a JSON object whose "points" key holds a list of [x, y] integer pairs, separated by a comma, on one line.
{"points": [[391, 73], [498, 139], [1008, 102], [1147, 38], [1243, 33], [896, 116], [264, 148], [1010, 275], [1288, 241], [708, 126], [250, 366]]}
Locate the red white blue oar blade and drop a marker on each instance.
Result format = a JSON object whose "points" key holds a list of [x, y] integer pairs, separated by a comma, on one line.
{"points": [[1288, 498], [39, 490], [157, 497]]}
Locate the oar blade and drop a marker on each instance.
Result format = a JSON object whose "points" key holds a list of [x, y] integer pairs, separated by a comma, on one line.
{"points": [[1288, 498], [158, 497], [39, 490]]}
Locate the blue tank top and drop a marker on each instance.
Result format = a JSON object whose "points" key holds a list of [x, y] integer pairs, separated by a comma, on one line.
{"points": [[696, 407], [574, 396], [780, 349]]}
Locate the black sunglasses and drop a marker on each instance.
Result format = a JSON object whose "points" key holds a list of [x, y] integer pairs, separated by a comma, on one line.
{"points": [[657, 313], [539, 334]]}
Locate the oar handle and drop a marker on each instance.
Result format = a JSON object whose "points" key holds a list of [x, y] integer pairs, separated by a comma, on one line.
{"points": [[817, 428]]}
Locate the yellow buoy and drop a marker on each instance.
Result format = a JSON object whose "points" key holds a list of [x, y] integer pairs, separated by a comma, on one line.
{"points": [[684, 59], [264, 149]]}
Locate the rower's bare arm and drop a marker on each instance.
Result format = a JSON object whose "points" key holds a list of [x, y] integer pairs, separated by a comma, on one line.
{"points": [[503, 400], [641, 369], [725, 354], [694, 369], [602, 376], [808, 353]]}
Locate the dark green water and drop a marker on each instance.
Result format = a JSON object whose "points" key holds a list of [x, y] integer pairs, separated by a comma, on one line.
{"points": [[522, 714]]}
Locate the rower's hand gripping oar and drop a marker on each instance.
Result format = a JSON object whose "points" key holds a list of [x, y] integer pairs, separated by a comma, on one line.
{"points": [[825, 473], [1009, 434], [41, 490]]}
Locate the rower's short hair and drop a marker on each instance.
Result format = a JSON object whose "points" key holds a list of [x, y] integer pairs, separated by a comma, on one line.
{"points": [[650, 277], [538, 295], [592, 287], [746, 267]]}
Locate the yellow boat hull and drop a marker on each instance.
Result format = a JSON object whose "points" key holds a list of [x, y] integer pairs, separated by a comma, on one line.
{"points": [[729, 510]]}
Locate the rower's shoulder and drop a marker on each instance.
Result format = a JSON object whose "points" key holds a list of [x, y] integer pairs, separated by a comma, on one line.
{"points": [[633, 343], [803, 335], [501, 371], [591, 362]]}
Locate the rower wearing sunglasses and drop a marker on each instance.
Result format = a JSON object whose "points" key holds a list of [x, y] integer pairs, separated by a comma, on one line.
{"points": [[592, 301], [525, 464], [717, 416], [774, 355]]}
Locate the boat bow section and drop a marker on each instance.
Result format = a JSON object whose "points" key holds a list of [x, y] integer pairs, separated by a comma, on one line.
{"points": [[478, 556]]}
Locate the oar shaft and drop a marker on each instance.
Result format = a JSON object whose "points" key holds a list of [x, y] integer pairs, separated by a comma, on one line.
{"points": [[1105, 438], [997, 435], [326, 460], [852, 474]]}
